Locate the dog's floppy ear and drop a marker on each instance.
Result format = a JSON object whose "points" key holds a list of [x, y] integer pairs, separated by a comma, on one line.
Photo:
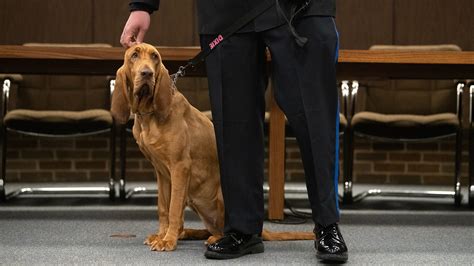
{"points": [[120, 108], [163, 93]]}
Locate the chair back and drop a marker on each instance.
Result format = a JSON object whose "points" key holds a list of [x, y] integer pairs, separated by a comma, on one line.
{"points": [[419, 97], [61, 92]]}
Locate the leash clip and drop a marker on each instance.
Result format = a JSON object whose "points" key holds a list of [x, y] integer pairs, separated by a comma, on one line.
{"points": [[180, 73]]}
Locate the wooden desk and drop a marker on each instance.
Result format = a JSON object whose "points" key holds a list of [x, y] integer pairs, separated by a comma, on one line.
{"points": [[352, 64], [87, 60]]}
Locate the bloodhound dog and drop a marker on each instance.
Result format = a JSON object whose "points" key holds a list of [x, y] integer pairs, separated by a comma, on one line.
{"points": [[179, 142]]}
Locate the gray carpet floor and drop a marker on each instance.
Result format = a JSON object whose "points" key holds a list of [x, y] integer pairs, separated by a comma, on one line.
{"points": [[59, 231]]}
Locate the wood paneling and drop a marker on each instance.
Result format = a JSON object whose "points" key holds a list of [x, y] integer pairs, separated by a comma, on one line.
{"points": [[46, 21], [88, 21], [109, 18], [174, 24], [435, 22], [362, 23]]}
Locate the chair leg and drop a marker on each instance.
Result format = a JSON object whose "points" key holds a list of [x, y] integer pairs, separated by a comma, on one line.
{"points": [[348, 150], [3, 150], [457, 169], [471, 168], [123, 161], [112, 164]]}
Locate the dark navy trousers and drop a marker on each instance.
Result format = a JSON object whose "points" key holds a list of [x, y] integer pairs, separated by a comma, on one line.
{"points": [[304, 83]]}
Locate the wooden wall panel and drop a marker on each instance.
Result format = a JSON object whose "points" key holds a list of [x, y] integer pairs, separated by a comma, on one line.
{"points": [[109, 18], [172, 25], [3, 20], [46, 21], [435, 22], [175, 24], [362, 23]]}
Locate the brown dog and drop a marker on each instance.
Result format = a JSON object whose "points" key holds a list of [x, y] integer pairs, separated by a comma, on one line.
{"points": [[179, 142]]}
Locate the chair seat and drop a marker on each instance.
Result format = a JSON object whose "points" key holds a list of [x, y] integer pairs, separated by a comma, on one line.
{"points": [[58, 122], [402, 126]]}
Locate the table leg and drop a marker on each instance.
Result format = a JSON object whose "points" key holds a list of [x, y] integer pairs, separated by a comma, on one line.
{"points": [[276, 159]]}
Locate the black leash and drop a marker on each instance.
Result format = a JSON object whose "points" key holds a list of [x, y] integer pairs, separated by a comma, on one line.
{"points": [[297, 7], [237, 25]]}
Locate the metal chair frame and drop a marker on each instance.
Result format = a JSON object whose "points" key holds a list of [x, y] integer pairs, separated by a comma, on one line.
{"points": [[348, 197], [107, 190]]}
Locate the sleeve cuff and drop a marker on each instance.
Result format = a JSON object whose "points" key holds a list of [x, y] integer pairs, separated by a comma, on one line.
{"points": [[134, 6]]}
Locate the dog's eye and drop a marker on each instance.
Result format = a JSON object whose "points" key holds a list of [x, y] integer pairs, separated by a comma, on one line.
{"points": [[134, 55], [154, 56]]}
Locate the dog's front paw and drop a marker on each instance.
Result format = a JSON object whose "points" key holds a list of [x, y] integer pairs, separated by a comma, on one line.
{"points": [[164, 245], [151, 239]]}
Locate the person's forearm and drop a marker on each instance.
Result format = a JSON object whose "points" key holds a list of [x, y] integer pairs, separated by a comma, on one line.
{"points": [[144, 5]]}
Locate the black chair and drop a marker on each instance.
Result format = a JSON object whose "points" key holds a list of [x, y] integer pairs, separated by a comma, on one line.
{"points": [[410, 114], [57, 107]]}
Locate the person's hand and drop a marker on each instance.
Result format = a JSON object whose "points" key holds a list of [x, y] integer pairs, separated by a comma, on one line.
{"points": [[135, 29]]}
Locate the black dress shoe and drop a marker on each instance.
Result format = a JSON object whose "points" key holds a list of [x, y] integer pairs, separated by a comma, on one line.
{"points": [[234, 245], [329, 244]]}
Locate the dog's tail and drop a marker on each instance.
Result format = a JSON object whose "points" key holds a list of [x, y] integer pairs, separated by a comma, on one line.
{"points": [[194, 234], [282, 236], [201, 234]]}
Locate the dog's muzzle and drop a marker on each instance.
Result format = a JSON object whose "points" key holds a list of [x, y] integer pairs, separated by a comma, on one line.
{"points": [[143, 91]]}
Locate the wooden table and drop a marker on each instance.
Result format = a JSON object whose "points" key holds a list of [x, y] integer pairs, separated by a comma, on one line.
{"points": [[352, 64]]}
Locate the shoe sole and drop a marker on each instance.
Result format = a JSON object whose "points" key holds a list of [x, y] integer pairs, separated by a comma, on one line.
{"points": [[333, 257], [255, 249]]}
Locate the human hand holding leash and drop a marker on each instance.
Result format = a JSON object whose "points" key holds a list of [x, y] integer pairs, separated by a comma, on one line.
{"points": [[135, 29]]}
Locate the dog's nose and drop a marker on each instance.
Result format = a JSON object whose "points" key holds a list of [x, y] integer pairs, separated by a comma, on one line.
{"points": [[146, 73]]}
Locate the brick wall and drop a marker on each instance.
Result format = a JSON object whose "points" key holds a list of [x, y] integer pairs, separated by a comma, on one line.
{"points": [[32, 159], [395, 163]]}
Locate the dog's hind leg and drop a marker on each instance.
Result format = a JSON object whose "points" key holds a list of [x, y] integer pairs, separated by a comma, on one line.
{"points": [[212, 215]]}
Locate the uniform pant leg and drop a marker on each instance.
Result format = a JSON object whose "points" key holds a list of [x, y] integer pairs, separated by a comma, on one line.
{"points": [[237, 82], [306, 90]]}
